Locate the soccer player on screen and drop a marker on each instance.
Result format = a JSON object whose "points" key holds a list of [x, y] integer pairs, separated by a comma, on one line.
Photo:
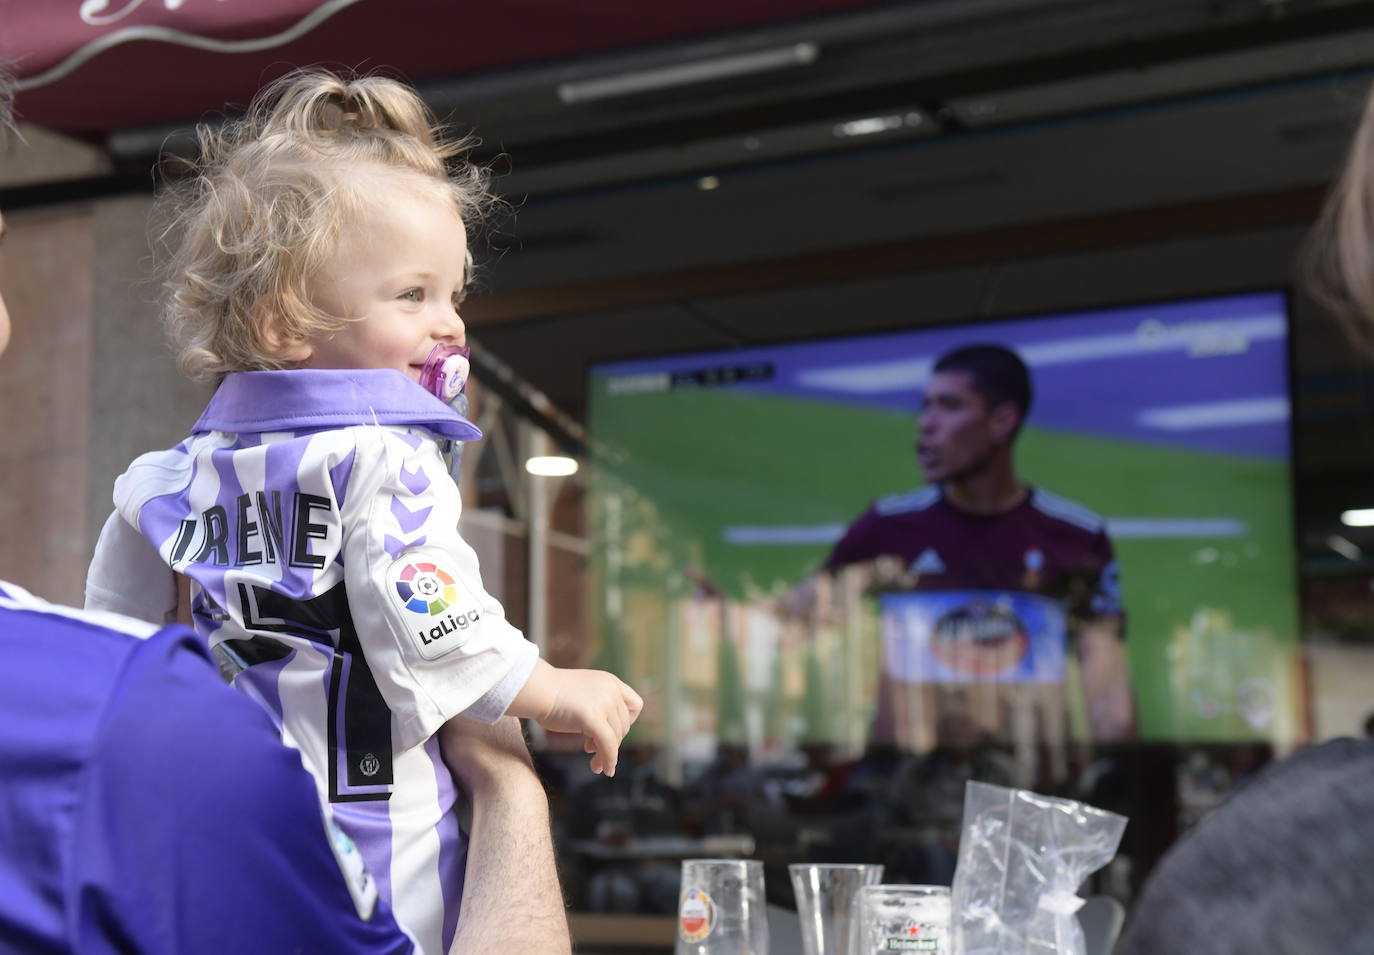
{"points": [[996, 574]]}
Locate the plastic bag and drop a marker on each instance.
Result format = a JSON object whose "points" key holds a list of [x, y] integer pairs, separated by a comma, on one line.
{"points": [[1021, 860]]}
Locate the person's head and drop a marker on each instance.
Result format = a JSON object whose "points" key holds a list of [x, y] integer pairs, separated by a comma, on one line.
{"points": [[975, 402], [326, 229], [956, 731], [1283, 866], [6, 101], [1338, 259]]}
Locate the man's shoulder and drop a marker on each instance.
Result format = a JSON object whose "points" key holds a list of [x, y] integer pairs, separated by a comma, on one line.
{"points": [[34, 619], [919, 501], [1055, 507], [78, 666]]}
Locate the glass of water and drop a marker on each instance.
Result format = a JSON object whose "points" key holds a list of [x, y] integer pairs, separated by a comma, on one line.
{"points": [[721, 909], [827, 902], [902, 918]]}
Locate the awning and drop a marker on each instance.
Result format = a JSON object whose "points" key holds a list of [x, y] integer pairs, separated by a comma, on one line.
{"points": [[90, 66]]}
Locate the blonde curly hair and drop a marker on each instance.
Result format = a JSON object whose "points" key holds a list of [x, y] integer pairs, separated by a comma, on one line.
{"points": [[6, 96], [266, 202], [1337, 261]]}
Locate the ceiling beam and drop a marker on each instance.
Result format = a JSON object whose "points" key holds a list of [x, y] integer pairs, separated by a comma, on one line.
{"points": [[1159, 223]]}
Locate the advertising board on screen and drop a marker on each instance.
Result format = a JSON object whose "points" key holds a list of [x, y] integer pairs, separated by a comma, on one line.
{"points": [[1145, 588]]}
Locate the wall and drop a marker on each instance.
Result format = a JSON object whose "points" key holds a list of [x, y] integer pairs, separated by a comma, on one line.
{"points": [[44, 461], [87, 382]]}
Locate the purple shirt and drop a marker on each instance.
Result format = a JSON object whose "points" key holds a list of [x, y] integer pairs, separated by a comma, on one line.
{"points": [[1045, 545]]}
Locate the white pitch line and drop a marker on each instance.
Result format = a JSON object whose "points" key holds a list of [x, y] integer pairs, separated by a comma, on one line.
{"points": [[1150, 337], [1217, 414], [1119, 528]]}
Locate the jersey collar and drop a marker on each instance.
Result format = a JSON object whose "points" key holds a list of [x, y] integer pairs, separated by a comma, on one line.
{"points": [[311, 398]]}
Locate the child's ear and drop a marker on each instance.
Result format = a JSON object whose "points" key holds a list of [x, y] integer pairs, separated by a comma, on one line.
{"points": [[274, 339]]}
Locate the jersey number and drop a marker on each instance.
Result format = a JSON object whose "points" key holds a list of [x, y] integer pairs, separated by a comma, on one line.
{"points": [[359, 728]]}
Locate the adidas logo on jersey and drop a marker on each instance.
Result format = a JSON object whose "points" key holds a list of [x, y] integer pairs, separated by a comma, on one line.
{"points": [[928, 563]]}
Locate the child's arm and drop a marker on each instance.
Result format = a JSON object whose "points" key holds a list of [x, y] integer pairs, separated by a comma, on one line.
{"points": [[594, 703], [437, 644], [128, 576]]}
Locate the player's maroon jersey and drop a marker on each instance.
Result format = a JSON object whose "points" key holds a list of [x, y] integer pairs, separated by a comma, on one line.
{"points": [[1046, 545]]}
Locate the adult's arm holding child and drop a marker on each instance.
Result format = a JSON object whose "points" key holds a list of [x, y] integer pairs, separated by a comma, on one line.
{"points": [[510, 857]]}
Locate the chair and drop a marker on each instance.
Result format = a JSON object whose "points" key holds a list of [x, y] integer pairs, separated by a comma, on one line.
{"points": [[784, 930], [1101, 917]]}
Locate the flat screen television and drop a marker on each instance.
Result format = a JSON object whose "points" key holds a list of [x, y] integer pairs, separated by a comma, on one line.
{"points": [[723, 482]]}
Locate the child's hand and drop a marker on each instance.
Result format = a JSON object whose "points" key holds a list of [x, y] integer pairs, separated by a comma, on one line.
{"points": [[594, 703], [598, 705]]}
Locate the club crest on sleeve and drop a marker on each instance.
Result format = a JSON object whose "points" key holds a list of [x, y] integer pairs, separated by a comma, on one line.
{"points": [[435, 607]]}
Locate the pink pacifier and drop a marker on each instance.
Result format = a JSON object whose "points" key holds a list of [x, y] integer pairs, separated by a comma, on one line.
{"points": [[446, 371]]}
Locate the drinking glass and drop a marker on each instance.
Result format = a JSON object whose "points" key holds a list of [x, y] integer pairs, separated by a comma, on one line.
{"points": [[826, 903], [902, 918], [721, 910]]}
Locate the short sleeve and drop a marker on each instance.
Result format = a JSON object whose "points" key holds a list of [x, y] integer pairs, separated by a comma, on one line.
{"points": [[855, 545], [127, 575], [199, 831], [1105, 599], [437, 643]]}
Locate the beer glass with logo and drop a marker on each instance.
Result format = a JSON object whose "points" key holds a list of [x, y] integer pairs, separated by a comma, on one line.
{"points": [[903, 918], [721, 908]]}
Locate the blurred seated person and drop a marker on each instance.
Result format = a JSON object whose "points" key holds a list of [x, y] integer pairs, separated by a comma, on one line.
{"points": [[615, 811], [733, 795], [918, 826]]}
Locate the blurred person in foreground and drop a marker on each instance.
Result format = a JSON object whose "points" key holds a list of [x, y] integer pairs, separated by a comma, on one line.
{"points": [[1286, 866], [147, 808]]}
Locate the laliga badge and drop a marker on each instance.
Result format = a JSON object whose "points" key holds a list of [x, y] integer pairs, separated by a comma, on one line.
{"points": [[696, 916], [436, 608]]}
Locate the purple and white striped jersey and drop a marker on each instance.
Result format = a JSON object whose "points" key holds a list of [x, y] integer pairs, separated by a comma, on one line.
{"points": [[315, 516]]}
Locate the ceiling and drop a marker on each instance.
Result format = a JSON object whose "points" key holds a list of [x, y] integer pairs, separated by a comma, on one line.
{"points": [[905, 158], [870, 165]]}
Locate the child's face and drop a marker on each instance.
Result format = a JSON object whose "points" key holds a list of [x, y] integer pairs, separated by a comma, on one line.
{"points": [[398, 277]]}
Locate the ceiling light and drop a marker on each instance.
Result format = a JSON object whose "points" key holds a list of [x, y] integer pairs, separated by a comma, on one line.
{"points": [[708, 183], [1361, 517], [868, 125], [1343, 547], [551, 466], [684, 74]]}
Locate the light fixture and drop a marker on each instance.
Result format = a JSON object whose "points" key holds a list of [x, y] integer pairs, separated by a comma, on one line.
{"points": [[708, 183], [1344, 547], [551, 466], [684, 74], [869, 125], [1360, 517]]}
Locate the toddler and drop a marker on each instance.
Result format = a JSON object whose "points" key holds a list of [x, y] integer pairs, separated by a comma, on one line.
{"points": [[319, 262]]}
